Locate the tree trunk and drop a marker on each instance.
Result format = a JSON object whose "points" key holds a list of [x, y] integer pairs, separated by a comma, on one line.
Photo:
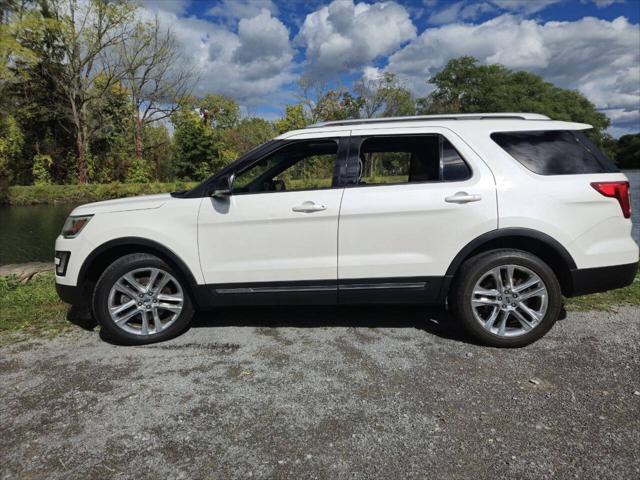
{"points": [[82, 159], [138, 136]]}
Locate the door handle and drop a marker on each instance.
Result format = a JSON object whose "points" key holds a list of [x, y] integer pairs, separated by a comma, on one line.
{"points": [[309, 207], [462, 197]]}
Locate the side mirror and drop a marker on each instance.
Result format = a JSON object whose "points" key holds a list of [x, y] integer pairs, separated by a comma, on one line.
{"points": [[223, 186]]}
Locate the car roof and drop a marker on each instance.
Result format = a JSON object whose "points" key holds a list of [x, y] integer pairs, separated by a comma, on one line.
{"points": [[489, 122]]}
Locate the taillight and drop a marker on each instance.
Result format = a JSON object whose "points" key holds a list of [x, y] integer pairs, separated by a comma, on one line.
{"points": [[617, 190]]}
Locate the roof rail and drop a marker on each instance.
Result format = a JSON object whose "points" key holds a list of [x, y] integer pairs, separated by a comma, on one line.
{"points": [[420, 118]]}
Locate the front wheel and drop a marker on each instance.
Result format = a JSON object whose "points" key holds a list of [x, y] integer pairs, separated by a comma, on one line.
{"points": [[139, 299], [506, 298]]}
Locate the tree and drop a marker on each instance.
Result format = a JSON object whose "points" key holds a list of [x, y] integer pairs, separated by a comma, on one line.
{"points": [[88, 32], [17, 22], [11, 141], [628, 151], [155, 75], [464, 86], [111, 150], [159, 151], [323, 104], [249, 133], [195, 144], [338, 105], [219, 111], [293, 119], [384, 96]]}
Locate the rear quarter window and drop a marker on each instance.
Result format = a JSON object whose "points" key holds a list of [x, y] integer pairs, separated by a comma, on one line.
{"points": [[554, 152]]}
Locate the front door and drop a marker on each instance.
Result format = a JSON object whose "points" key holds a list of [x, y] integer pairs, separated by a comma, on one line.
{"points": [[274, 239]]}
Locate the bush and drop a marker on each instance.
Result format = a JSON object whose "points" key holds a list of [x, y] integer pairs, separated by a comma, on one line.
{"points": [[139, 172], [46, 194], [41, 169]]}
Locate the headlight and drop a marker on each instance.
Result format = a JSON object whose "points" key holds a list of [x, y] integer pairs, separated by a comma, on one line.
{"points": [[74, 225]]}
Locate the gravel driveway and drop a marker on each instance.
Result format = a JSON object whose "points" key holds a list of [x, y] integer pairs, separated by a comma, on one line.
{"points": [[298, 393]]}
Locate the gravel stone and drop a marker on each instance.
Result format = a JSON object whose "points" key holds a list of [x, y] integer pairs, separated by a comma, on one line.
{"points": [[371, 393]]}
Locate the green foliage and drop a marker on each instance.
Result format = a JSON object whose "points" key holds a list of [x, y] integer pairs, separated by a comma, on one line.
{"points": [[294, 119], [32, 307], [384, 96], [83, 193], [16, 29], [11, 142], [464, 86], [219, 111], [195, 143], [159, 151], [139, 171], [42, 169], [606, 301], [337, 105], [111, 148], [249, 133], [628, 151]]}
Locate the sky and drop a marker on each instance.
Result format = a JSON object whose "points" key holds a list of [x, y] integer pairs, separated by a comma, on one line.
{"points": [[256, 50]]}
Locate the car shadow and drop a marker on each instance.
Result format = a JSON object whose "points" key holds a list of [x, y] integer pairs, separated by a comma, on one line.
{"points": [[82, 317], [432, 320]]}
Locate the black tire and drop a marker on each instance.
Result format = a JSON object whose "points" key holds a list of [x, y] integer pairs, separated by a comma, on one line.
{"points": [[107, 280], [472, 270]]}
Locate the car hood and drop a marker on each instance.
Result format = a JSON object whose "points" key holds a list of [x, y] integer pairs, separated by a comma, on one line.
{"points": [[145, 202]]}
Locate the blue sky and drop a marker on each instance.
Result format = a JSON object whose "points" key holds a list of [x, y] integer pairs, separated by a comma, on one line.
{"points": [[256, 50]]}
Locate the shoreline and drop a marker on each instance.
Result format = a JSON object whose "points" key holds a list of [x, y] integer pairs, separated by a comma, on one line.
{"points": [[28, 195]]}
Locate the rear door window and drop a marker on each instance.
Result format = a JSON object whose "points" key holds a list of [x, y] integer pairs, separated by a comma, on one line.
{"points": [[554, 152], [410, 159]]}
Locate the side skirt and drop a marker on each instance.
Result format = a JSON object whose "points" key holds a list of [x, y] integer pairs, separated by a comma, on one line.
{"points": [[405, 290]]}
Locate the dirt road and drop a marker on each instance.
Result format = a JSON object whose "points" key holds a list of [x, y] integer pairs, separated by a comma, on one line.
{"points": [[356, 393]]}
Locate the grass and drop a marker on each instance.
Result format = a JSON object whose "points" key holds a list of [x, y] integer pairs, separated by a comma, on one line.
{"points": [[607, 300], [34, 309], [48, 194], [31, 308]]}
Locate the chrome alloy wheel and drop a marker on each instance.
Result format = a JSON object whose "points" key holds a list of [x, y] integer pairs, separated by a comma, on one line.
{"points": [[145, 301], [509, 300]]}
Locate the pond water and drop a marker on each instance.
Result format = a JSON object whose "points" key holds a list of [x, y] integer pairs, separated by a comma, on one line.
{"points": [[27, 234]]}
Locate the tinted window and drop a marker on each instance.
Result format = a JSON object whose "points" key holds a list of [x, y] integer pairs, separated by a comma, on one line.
{"points": [[408, 159], [298, 166], [554, 152]]}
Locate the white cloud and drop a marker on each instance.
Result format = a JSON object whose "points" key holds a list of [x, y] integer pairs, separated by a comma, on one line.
{"points": [[600, 58], [251, 65], [344, 36], [235, 10], [178, 7], [606, 3], [467, 10], [524, 7]]}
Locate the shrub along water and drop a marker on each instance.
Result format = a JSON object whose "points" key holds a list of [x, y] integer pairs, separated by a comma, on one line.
{"points": [[48, 194]]}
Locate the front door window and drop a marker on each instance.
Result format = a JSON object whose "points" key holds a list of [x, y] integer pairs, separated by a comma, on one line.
{"points": [[307, 165]]}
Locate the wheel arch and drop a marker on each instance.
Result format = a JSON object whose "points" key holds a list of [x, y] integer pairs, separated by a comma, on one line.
{"points": [[535, 242], [102, 256]]}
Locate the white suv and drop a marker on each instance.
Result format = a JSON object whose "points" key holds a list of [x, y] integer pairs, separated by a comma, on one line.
{"points": [[497, 214]]}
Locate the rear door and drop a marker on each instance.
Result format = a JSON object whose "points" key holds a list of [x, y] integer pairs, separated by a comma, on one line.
{"points": [[419, 198]]}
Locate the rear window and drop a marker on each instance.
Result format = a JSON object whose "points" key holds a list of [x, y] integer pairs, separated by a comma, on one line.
{"points": [[554, 152]]}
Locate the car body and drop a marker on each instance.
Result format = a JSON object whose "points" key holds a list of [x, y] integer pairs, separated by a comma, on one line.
{"points": [[398, 207]]}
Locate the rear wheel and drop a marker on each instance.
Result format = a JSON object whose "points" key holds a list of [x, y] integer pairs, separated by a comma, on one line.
{"points": [[506, 298], [139, 299]]}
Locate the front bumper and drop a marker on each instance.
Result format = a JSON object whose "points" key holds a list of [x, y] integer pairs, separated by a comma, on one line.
{"points": [[601, 279]]}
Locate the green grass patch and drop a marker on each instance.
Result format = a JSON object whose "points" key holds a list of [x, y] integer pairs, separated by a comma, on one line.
{"points": [[607, 300], [48, 194], [32, 307]]}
